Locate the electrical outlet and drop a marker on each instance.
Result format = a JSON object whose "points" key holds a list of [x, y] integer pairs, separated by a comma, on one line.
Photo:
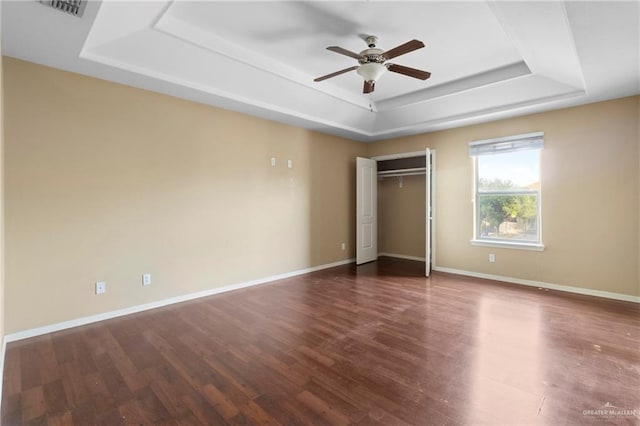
{"points": [[273, 161], [492, 258], [101, 287], [289, 163], [146, 279], [343, 246]]}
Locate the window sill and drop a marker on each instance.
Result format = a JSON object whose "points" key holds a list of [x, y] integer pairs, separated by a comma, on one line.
{"points": [[506, 244]]}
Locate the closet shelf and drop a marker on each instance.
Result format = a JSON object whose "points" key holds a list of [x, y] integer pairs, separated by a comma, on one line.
{"points": [[402, 172]]}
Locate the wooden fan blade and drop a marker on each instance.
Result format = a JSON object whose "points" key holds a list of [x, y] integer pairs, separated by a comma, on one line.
{"points": [[333, 74], [345, 52], [411, 72], [368, 86], [409, 46]]}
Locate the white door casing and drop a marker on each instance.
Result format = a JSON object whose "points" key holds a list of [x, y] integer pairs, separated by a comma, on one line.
{"points": [[366, 210], [428, 214]]}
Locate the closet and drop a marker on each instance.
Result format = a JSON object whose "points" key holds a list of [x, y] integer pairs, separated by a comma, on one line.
{"points": [[401, 216]]}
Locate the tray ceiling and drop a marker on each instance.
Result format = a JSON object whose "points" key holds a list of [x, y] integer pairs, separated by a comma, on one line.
{"points": [[488, 60]]}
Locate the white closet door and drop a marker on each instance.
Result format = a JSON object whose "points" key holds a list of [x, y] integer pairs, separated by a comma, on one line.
{"points": [[366, 211], [428, 215]]}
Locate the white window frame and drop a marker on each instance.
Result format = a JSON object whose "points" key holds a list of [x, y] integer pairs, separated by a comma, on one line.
{"points": [[529, 141]]}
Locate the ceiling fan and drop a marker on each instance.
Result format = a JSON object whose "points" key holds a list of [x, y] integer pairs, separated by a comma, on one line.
{"points": [[373, 62]]}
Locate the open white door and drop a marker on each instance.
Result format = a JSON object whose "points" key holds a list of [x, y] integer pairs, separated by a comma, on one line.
{"points": [[366, 210], [428, 215]]}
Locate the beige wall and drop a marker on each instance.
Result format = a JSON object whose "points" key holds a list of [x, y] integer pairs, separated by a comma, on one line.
{"points": [[590, 197], [107, 182], [2, 308]]}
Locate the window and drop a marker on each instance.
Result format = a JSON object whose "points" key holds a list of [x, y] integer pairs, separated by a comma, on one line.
{"points": [[507, 191]]}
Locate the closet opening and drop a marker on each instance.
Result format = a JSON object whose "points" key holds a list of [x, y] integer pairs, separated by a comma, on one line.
{"points": [[395, 207]]}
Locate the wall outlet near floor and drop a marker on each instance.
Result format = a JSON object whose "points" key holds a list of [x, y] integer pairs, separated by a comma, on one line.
{"points": [[146, 279], [343, 246], [101, 287], [492, 258]]}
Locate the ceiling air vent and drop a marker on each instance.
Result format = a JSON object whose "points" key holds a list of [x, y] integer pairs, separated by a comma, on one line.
{"points": [[72, 7]]}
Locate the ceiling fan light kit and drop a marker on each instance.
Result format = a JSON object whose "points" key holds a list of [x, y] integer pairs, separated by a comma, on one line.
{"points": [[372, 62], [371, 71]]}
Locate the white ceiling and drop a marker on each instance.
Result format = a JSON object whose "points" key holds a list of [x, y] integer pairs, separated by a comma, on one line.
{"points": [[488, 60]]}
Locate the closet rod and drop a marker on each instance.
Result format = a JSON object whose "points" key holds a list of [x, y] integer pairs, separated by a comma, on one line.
{"points": [[402, 172]]}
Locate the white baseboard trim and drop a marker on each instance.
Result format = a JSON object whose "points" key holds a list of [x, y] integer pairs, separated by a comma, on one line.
{"points": [[402, 256], [541, 284], [25, 334]]}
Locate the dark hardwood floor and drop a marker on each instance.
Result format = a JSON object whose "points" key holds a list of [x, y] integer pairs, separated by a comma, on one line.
{"points": [[373, 345]]}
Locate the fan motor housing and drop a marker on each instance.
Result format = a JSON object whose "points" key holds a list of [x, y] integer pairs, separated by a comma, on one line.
{"points": [[372, 56]]}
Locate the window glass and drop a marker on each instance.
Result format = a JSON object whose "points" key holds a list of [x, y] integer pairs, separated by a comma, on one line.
{"points": [[508, 196]]}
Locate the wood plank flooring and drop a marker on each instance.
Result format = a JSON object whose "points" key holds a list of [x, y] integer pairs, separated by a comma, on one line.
{"points": [[371, 345]]}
